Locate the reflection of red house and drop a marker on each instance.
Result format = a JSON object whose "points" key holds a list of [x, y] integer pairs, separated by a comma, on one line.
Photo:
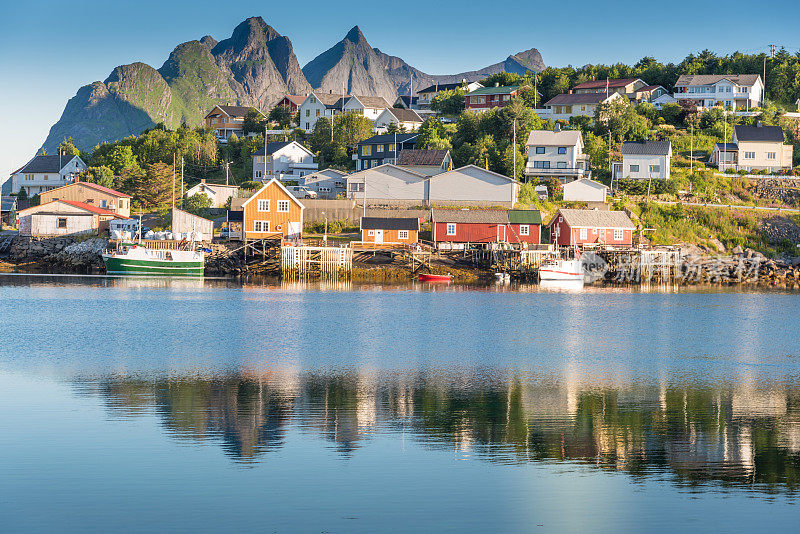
{"points": [[291, 101], [591, 227], [486, 226]]}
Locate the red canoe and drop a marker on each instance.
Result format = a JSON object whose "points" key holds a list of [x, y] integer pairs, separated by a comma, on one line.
{"points": [[435, 278]]}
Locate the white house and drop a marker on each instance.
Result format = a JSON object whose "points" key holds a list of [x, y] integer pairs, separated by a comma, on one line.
{"points": [[44, 173], [659, 101], [568, 105], [644, 160], [228, 120], [754, 148], [319, 104], [556, 154], [736, 91], [284, 160], [328, 183], [406, 119], [585, 191], [218, 193], [369, 106], [389, 184]]}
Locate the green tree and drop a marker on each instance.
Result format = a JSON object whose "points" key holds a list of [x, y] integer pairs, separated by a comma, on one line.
{"points": [[253, 121], [68, 148], [198, 204], [449, 101], [280, 115], [102, 175], [121, 159], [153, 188]]}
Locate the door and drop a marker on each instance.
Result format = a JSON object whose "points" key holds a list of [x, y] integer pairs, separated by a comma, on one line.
{"points": [[379, 236]]}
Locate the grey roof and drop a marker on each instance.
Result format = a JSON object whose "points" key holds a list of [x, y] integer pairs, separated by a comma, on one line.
{"points": [[441, 87], [709, 79], [477, 216], [7, 203], [324, 174], [422, 157], [548, 138], [390, 223], [596, 218], [46, 164], [236, 111], [390, 138], [568, 99], [328, 99], [646, 148], [732, 147], [758, 133], [405, 115], [370, 101]]}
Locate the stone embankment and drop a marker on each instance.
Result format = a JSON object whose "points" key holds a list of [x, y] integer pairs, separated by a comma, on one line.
{"points": [[58, 254], [743, 266]]}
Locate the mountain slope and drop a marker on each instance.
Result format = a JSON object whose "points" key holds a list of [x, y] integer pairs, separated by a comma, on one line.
{"points": [[353, 66], [255, 66]]}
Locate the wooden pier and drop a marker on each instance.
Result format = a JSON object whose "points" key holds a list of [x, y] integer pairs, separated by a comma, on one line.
{"points": [[312, 261]]}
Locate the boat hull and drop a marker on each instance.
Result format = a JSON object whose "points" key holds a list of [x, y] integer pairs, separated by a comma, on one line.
{"points": [[122, 265], [435, 278], [562, 270]]}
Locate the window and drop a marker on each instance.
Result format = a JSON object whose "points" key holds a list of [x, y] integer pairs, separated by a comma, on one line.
{"points": [[402, 234], [263, 205], [391, 147], [258, 174], [540, 150], [340, 185], [541, 164], [618, 234], [317, 113], [308, 126], [371, 233], [261, 226], [62, 222], [583, 233], [634, 168], [379, 148], [283, 206], [451, 228], [562, 150], [749, 155], [356, 187], [366, 150], [655, 168], [103, 203], [561, 165], [601, 233], [770, 155], [308, 113], [524, 229]]}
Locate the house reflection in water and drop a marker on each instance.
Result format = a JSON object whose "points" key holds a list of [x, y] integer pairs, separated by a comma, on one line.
{"points": [[740, 435]]}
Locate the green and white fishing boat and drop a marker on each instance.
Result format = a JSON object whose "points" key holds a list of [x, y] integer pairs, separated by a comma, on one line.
{"points": [[138, 259]]}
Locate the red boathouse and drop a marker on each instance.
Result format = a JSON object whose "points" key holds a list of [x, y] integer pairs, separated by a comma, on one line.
{"points": [[486, 226], [588, 228]]}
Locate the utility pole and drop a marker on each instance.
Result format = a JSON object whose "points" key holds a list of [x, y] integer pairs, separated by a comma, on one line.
{"points": [[227, 164], [173, 180], [691, 149], [725, 136], [181, 182], [264, 175], [514, 145]]}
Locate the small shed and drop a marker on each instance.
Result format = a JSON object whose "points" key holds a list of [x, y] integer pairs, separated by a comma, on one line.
{"points": [[585, 190], [591, 228], [184, 222], [389, 230]]}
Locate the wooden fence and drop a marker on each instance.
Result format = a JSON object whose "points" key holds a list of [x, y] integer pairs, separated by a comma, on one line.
{"points": [[305, 261]]}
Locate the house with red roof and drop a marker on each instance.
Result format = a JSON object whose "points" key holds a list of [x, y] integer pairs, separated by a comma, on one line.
{"points": [[291, 102], [624, 86], [63, 218], [88, 193]]}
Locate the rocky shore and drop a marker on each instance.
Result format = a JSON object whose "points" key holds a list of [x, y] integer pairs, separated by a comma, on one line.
{"points": [[82, 256]]}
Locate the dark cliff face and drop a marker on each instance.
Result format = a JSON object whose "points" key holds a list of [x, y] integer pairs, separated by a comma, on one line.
{"points": [[255, 66], [351, 65]]}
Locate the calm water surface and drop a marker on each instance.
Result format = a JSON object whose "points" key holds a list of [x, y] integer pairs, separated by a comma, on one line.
{"points": [[156, 405]]}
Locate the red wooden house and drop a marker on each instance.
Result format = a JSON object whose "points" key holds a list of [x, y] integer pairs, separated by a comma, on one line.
{"points": [[486, 98], [591, 228], [486, 226], [291, 102]]}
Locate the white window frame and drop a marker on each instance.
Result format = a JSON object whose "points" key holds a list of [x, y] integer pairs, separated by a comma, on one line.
{"points": [[261, 227], [371, 233], [619, 234], [262, 204], [583, 234], [402, 234], [283, 206], [452, 229], [655, 168], [524, 229]]}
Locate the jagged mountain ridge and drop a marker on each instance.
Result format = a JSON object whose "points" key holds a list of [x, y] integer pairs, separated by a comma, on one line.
{"points": [[254, 66]]}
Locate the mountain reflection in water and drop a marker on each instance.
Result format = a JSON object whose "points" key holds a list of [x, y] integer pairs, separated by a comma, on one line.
{"points": [[731, 435]]}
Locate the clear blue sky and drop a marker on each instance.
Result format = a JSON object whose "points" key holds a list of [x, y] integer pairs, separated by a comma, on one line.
{"points": [[49, 49]]}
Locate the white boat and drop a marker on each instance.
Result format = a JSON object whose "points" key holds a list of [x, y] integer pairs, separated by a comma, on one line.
{"points": [[562, 270]]}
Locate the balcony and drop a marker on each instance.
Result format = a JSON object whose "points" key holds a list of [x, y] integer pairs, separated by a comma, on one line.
{"points": [[576, 172]]}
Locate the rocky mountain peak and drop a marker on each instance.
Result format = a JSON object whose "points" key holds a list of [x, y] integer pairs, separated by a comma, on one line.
{"points": [[356, 36]]}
